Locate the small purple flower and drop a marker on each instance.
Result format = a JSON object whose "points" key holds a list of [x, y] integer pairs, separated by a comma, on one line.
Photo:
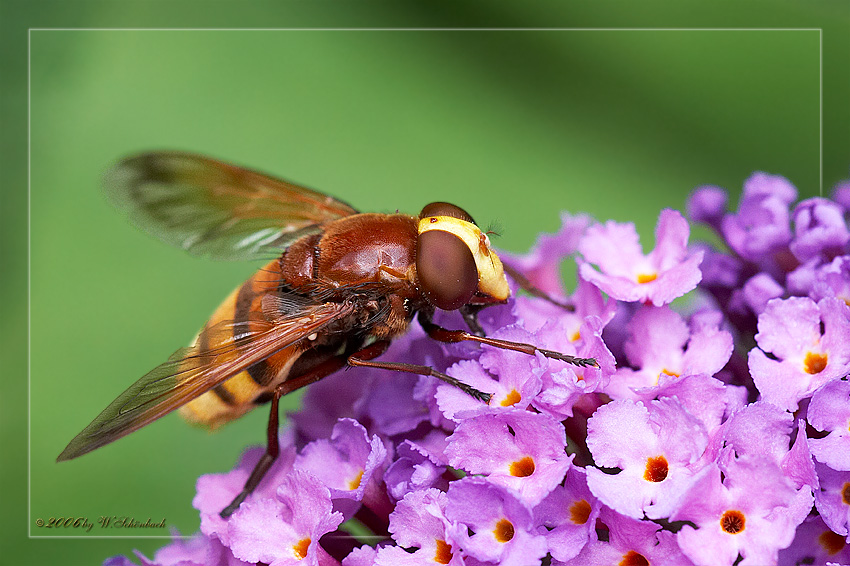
{"points": [[819, 230], [831, 280], [829, 411], [502, 527], [419, 521], [567, 517], [758, 429], [563, 385], [841, 195], [456, 405], [707, 205], [349, 464], [758, 290], [660, 343], [719, 270], [391, 406], [532, 313], [704, 397], [815, 545], [518, 377], [630, 542], [833, 498], [518, 450], [754, 512], [197, 551], [414, 468], [667, 272], [804, 357], [330, 399], [655, 448], [761, 226], [285, 531]]}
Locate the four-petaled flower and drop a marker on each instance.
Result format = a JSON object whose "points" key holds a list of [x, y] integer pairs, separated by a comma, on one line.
{"points": [[666, 273]]}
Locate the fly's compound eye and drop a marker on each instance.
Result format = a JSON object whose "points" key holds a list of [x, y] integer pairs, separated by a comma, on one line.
{"points": [[447, 272], [445, 209]]}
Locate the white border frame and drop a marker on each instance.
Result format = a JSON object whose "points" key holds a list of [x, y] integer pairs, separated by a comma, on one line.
{"points": [[29, 186]]}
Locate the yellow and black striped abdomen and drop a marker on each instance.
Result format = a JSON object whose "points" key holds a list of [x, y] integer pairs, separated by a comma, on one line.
{"points": [[237, 395]]}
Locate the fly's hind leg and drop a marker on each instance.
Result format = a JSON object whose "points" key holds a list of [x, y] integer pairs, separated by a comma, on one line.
{"points": [[324, 369], [361, 357], [272, 446], [272, 452]]}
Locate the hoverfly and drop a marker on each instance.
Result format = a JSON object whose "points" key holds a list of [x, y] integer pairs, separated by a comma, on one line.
{"points": [[341, 286]]}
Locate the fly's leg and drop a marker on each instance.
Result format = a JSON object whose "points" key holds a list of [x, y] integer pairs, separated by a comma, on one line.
{"points": [[442, 335], [272, 446], [357, 360], [362, 358], [324, 369], [272, 452], [470, 316]]}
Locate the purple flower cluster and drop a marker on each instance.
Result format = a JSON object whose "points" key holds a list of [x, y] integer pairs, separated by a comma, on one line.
{"points": [[713, 433]]}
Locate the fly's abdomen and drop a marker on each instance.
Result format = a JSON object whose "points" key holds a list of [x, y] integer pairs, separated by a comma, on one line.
{"points": [[240, 393]]}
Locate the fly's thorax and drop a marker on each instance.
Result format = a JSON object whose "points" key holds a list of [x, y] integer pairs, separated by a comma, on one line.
{"points": [[368, 248], [456, 265]]}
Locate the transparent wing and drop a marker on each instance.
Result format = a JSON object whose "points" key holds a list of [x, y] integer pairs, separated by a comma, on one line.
{"points": [[215, 209], [190, 372]]}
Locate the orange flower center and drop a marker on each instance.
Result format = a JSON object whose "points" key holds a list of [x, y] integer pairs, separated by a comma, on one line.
{"points": [[732, 522], [814, 363], [512, 398], [522, 468], [300, 548], [504, 530], [443, 554], [632, 558], [646, 277], [845, 493], [580, 512], [832, 543], [656, 469], [355, 482]]}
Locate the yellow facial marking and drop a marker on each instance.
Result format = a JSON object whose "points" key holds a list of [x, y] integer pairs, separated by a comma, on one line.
{"points": [[491, 274]]}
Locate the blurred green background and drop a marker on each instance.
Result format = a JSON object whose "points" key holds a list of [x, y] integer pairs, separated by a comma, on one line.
{"points": [[514, 126]]}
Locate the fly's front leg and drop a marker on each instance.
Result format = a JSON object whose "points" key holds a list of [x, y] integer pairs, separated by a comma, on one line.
{"points": [[442, 335], [470, 316]]}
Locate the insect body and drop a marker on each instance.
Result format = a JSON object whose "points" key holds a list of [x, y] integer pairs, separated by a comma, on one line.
{"points": [[340, 287]]}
